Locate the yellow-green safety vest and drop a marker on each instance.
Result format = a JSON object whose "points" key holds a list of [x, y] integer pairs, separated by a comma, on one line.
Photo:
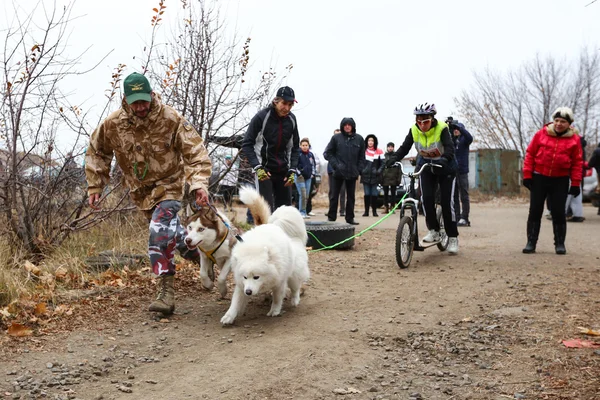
{"points": [[429, 144]]}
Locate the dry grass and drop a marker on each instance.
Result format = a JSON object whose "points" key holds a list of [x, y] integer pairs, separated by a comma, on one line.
{"points": [[22, 282]]}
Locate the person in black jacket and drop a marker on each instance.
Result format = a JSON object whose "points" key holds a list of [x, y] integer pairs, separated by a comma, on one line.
{"points": [[342, 192], [391, 177], [271, 146], [346, 155], [433, 143], [595, 163], [372, 173], [462, 141]]}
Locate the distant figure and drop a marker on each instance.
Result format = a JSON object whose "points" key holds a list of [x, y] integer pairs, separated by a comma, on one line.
{"points": [[271, 146], [372, 174], [315, 184], [391, 177], [306, 168], [346, 155], [595, 163], [552, 168], [462, 141], [342, 195]]}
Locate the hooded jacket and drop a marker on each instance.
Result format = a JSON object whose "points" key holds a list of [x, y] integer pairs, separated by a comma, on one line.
{"points": [[373, 170], [272, 141], [552, 155], [461, 148], [346, 152], [158, 154]]}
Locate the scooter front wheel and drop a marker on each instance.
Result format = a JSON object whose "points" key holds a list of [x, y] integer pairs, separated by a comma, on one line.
{"points": [[405, 242]]}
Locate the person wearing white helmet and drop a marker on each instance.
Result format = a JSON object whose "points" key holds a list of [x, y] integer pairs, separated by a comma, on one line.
{"points": [[434, 144]]}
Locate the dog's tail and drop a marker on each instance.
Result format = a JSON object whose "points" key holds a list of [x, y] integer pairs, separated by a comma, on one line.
{"points": [[290, 220], [258, 206]]}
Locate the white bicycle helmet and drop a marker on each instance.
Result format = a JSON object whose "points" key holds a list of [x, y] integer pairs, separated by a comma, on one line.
{"points": [[425, 109]]}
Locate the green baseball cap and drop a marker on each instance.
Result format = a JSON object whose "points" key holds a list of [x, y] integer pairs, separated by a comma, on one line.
{"points": [[136, 88]]}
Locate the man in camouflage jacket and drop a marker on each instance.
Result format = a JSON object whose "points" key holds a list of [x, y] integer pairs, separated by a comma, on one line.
{"points": [[158, 152]]}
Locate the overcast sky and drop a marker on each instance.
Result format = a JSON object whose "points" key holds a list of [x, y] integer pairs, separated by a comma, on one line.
{"points": [[370, 60]]}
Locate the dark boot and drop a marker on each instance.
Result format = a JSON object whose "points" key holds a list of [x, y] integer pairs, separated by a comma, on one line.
{"points": [[533, 231], [367, 204], [560, 233], [165, 301], [374, 205], [387, 208]]}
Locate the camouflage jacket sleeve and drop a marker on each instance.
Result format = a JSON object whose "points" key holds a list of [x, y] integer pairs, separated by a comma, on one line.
{"points": [[196, 162], [98, 158]]}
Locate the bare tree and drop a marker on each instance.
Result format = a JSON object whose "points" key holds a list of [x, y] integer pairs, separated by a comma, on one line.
{"points": [[205, 73], [507, 109], [41, 187]]}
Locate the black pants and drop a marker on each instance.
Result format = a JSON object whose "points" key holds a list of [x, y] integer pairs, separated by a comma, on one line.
{"points": [[335, 196], [274, 191], [311, 195], [428, 184], [341, 195], [556, 190], [386, 190]]}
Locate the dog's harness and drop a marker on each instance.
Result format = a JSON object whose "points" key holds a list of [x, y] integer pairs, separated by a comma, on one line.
{"points": [[209, 253]]}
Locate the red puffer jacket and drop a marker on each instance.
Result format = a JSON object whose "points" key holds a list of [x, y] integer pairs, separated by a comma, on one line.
{"points": [[552, 155]]}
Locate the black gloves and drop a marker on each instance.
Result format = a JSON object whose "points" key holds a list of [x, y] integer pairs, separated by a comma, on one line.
{"points": [[528, 183], [575, 191]]}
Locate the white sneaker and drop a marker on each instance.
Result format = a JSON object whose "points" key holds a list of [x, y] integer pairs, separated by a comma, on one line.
{"points": [[432, 237], [312, 214], [453, 245]]}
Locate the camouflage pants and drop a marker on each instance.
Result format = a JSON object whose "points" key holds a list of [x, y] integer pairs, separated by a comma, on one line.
{"points": [[166, 235]]}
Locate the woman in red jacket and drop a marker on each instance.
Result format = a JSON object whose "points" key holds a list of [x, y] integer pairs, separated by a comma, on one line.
{"points": [[552, 168]]}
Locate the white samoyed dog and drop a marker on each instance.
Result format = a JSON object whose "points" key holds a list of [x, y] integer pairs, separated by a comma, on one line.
{"points": [[270, 258]]}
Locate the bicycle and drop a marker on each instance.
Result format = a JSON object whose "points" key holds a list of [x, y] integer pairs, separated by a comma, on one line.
{"points": [[407, 233]]}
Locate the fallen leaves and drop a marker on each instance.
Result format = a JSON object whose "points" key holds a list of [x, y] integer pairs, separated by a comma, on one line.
{"points": [[588, 331], [18, 330]]}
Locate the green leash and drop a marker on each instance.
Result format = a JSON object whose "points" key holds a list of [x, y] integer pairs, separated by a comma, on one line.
{"points": [[359, 233]]}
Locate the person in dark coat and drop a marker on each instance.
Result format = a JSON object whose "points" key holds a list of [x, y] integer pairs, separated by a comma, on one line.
{"points": [[342, 194], [595, 163], [372, 174], [346, 155], [391, 177], [462, 140]]}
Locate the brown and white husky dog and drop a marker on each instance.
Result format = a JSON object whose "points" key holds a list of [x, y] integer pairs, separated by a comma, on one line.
{"points": [[207, 232]]}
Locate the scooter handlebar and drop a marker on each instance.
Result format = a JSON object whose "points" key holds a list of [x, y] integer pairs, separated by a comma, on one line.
{"points": [[416, 173]]}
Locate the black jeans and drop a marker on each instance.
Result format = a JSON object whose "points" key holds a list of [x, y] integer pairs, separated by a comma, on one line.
{"points": [[556, 190], [335, 196], [461, 195], [428, 184], [275, 192], [386, 199], [341, 195]]}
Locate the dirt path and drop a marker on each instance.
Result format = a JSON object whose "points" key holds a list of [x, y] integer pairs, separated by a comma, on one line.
{"points": [[485, 324]]}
